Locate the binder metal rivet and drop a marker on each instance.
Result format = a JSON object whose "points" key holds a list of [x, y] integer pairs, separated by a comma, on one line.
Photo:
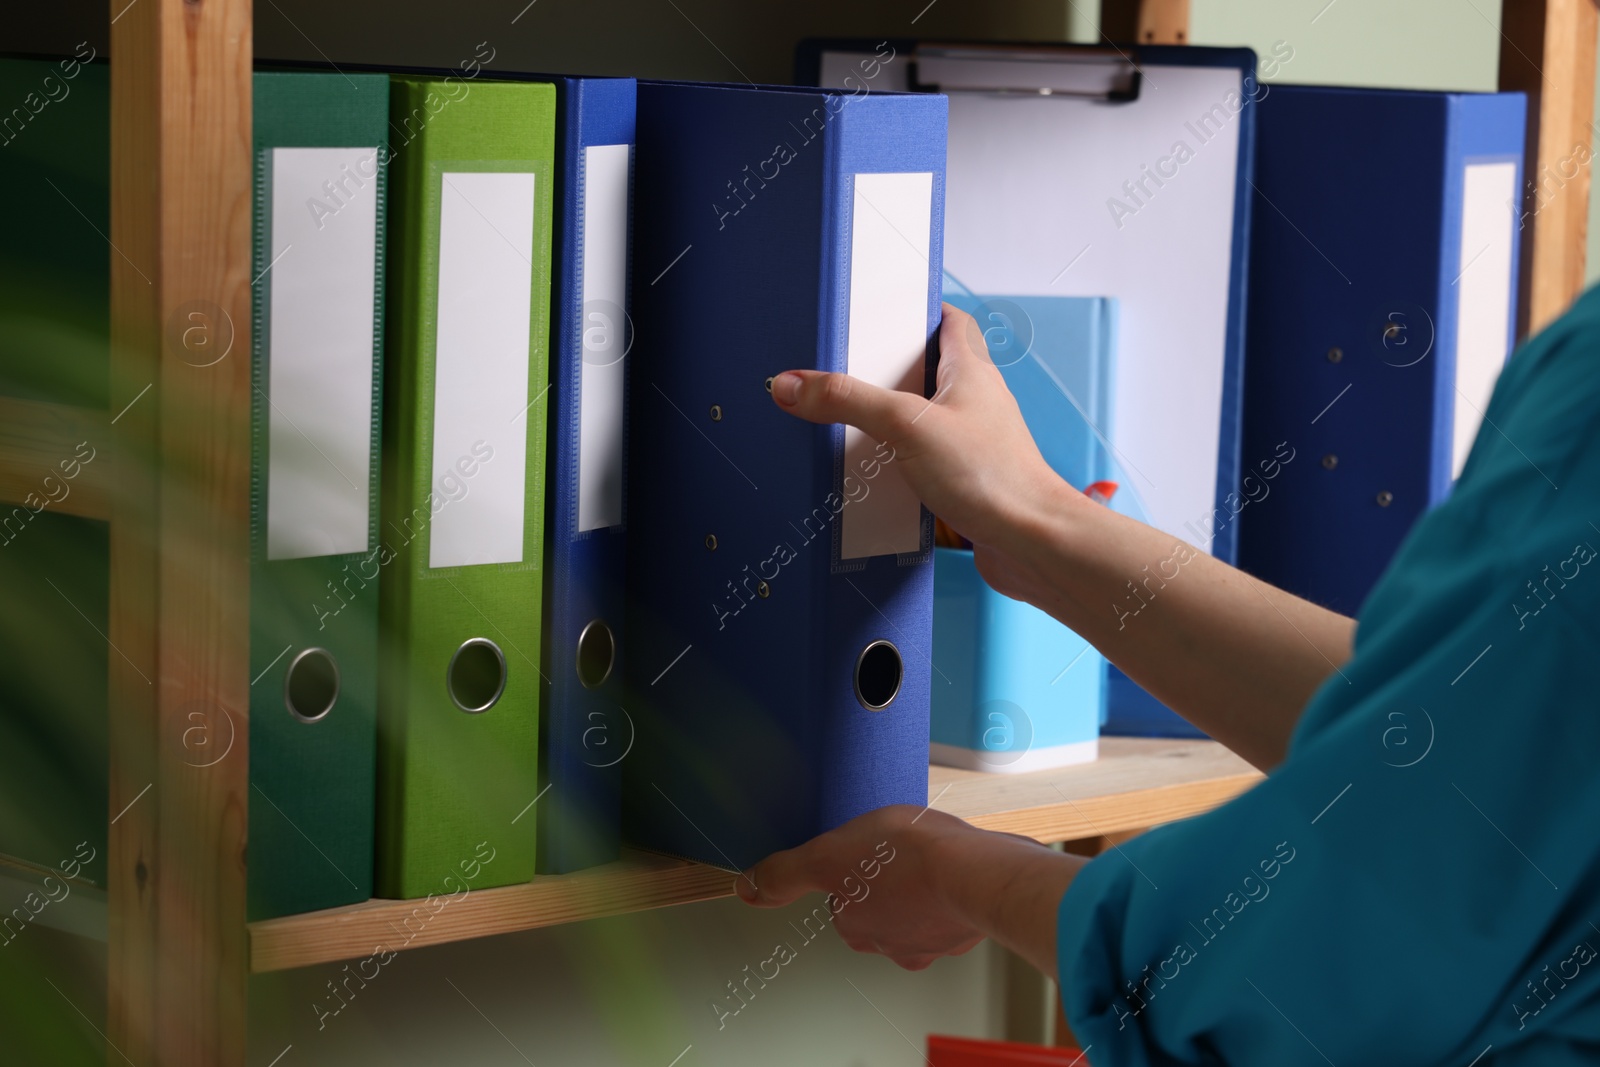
{"points": [[1335, 355], [711, 542], [769, 385], [1385, 498], [597, 654], [763, 590], [311, 684], [476, 677], [879, 672], [716, 412], [1330, 461]]}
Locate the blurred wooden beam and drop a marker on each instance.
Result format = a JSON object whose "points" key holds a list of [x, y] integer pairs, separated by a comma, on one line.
{"points": [[40, 441], [1547, 50], [180, 339], [1145, 21]]}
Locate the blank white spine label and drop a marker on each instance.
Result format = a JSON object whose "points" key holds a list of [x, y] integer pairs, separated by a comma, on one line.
{"points": [[605, 335], [322, 248], [890, 230], [1483, 299], [480, 369]]}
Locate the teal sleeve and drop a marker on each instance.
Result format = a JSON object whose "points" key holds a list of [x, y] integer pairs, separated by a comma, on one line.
{"points": [[1419, 882]]}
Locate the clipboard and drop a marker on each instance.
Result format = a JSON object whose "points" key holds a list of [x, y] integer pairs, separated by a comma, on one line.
{"points": [[1081, 170]]}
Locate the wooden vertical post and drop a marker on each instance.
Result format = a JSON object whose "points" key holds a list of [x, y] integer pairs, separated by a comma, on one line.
{"points": [[1547, 50], [180, 403], [1145, 21]]}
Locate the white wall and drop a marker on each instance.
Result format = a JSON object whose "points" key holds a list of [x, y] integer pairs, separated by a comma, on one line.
{"points": [[633, 991]]}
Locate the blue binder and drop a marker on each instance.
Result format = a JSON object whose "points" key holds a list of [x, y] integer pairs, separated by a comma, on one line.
{"points": [[586, 731], [1382, 306], [779, 573]]}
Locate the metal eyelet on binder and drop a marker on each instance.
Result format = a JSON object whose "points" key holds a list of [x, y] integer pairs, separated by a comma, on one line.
{"points": [[763, 590], [879, 672], [476, 677], [711, 542], [1385, 498], [597, 654], [716, 412], [769, 385], [311, 684]]}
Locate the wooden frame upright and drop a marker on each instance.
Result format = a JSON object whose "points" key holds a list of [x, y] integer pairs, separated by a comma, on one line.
{"points": [[180, 382]]}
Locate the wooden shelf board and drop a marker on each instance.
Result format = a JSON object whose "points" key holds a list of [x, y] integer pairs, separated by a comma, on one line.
{"points": [[35, 438], [1136, 783]]}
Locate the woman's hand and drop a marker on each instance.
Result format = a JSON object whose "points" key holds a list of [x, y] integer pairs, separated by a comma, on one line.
{"points": [[1234, 655], [915, 884], [966, 453]]}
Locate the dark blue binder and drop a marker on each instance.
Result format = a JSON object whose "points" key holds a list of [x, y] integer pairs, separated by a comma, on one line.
{"points": [[1382, 305], [780, 574], [1101, 171], [585, 731]]}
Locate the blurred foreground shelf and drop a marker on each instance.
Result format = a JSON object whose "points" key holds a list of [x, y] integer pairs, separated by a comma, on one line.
{"points": [[1136, 783]]}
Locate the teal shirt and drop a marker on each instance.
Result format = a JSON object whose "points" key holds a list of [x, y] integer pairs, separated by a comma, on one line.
{"points": [[1419, 881]]}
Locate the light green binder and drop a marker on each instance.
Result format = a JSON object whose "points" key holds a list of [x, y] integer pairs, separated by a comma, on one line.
{"points": [[463, 483]]}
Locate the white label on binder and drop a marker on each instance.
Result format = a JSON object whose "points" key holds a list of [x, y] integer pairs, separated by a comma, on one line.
{"points": [[480, 369], [1483, 297], [889, 234], [605, 335], [322, 251]]}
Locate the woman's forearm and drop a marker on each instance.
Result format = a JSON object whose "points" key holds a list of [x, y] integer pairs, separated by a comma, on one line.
{"points": [[1238, 657], [1009, 888]]}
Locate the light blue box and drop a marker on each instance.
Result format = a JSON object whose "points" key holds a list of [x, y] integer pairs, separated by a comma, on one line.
{"points": [[1008, 706], [1014, 690]]}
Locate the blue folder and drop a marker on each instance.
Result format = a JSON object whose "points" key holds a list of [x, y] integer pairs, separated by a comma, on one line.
{"points": [[1382, 304], [779, 573], [585, 729]]}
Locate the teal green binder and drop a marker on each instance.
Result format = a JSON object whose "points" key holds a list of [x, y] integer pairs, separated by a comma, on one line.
{"points": [[464, 461], [320, 162]]}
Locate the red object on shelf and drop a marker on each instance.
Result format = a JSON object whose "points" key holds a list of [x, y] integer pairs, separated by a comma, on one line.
{"points": [[945, 1051]]}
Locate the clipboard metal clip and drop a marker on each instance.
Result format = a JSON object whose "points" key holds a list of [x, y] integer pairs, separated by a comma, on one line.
{"points": [[1100, 74]]}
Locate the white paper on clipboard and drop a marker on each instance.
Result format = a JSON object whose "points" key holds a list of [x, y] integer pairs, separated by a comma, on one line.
{"points": [[1032, 185]]}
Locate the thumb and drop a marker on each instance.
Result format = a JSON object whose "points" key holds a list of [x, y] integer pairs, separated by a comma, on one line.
{"points": [[782, 877], [818, 396]]}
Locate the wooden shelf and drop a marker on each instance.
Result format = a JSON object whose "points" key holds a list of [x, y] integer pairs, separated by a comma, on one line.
{"points": [[35, 438], [1136, 783]]}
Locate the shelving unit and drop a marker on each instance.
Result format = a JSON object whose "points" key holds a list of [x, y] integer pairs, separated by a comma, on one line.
{"points": [[176, 495]]}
